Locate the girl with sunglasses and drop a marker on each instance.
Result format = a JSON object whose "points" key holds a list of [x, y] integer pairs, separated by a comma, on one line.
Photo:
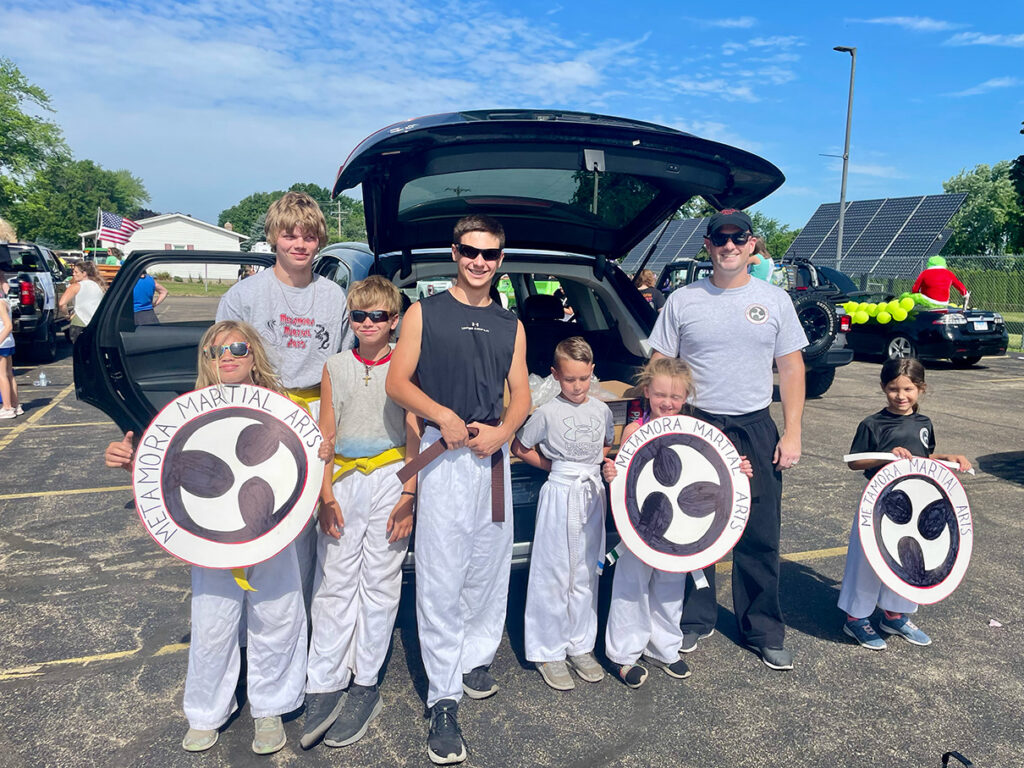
{"points": [[233, 353]]}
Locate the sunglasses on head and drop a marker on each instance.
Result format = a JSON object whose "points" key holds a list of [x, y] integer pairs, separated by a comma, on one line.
{"points": [[721, 238], [376, 316], [236, 348], [471, 252]]}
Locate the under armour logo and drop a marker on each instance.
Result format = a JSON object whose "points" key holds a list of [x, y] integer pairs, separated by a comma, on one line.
{"points": [[574, 430], [916, 531], [757, 314]]}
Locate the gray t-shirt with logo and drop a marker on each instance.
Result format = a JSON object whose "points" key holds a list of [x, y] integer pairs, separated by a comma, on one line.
{"points": [[569, 432], [729, 338], [301, 327]]}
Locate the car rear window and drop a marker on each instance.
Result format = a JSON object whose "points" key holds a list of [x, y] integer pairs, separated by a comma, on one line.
{"points": [[620, 197]]}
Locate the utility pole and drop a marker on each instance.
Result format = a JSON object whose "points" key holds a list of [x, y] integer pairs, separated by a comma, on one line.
{"points": [[846, 153]]}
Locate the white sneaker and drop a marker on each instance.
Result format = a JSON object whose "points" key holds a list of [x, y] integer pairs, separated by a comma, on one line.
{"points": [[7, 413], [19, 410]]}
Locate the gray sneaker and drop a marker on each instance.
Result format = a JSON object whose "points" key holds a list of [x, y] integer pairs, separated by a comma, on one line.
{"points": [[198, 740], [362, 704], [556, 674], [776, 658], [690, 640], [587, 667], [321, 711], [269, 736]]}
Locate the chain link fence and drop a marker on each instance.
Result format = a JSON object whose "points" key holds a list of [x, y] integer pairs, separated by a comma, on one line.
{"points": [[995, 283]]}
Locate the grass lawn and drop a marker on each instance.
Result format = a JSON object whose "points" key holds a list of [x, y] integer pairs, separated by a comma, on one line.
{"points": [[213, 288]]}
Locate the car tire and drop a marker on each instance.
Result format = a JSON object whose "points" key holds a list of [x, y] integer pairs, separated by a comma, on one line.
{"points": [[965, 362], [899, 346], [818, 381], [46, 350], [819, 322]]}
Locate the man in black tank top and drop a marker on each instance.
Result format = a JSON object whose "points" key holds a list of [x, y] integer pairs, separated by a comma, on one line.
{"points": [[456, 352]]}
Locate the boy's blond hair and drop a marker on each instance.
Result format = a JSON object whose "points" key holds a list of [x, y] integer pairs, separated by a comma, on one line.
{"points": [[375, 291], [295, 211], [263, 374], [574, 348]]}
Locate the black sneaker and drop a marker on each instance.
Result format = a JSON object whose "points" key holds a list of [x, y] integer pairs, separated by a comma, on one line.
{"points": [[362, 704], [479, 684], [321, 710], [445, 744]]}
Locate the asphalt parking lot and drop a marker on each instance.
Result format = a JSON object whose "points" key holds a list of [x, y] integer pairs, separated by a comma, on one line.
{"points": [[96, 624]]}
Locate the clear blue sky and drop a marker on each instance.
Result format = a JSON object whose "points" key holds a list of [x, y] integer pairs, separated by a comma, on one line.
{"points": [[210, 101]]}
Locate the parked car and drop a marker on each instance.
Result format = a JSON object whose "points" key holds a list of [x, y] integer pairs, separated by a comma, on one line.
{"points": [[534, 171], [37, 280], [814, 298], [962, 336]]}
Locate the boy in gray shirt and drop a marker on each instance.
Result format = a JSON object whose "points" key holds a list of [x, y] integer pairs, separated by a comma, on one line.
{"points": [[575, 432]]}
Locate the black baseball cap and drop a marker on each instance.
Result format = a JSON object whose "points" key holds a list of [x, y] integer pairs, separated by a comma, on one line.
{"points": [[728, 216]]}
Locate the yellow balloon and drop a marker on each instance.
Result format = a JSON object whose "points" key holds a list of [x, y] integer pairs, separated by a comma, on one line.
{"points": [[907, 303], [860, 316], [883, 317], [899, 314]]}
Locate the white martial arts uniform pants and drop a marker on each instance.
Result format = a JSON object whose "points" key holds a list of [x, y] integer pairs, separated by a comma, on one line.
{"points": [[462, 567], [276, 654], [358, 584], [568, 546], [862, 590], [646, 608]]}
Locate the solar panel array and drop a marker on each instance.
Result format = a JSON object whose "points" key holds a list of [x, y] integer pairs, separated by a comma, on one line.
{"points": [[683, 239], [891, 237]]}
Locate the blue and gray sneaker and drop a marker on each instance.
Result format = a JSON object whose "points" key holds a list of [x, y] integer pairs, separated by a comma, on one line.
{"points": [[906, 629], [862, 631]]}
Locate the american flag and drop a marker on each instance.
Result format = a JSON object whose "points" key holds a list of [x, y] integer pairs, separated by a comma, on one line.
{"points": [[116, 229]]}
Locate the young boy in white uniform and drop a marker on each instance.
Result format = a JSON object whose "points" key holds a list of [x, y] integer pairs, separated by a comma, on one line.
{"points": [[569, 437], [365, 521]]}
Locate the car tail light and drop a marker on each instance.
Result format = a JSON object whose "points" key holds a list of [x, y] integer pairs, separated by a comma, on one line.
{"points": [[950, 318], [844, 323], [634, 410], [27, 296]]}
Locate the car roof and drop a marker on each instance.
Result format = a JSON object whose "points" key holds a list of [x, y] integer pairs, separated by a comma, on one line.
{"points": [[533, 170]]}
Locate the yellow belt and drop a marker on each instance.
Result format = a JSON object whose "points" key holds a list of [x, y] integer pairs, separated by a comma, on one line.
{"points": [[304, 397], [368, 464]]}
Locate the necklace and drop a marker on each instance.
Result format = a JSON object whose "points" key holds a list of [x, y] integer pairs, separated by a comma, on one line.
{"points": [[368, 364], [291, 310]]}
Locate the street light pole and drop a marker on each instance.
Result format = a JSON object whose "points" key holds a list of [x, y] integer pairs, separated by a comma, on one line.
{"points": [[846, 152]]}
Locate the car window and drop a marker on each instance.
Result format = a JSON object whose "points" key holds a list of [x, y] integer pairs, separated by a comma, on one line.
{"points": [[620, 197], [339, 272], [194, 290]]}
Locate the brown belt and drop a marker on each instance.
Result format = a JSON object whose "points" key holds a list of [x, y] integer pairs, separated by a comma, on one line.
{"points": [[497, 469]]}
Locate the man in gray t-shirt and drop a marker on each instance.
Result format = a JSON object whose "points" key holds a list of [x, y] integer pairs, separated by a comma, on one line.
{"points": [[730, 329]]}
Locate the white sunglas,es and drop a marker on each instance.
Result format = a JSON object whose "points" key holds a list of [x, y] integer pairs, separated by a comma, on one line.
{"points": [[236, 348]]}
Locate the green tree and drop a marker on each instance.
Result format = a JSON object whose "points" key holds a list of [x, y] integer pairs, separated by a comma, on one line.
{"points": [[27, 141], [695, 208], [247, 211], [249, 214], [61, 200], [991, 216], [777, 237]]}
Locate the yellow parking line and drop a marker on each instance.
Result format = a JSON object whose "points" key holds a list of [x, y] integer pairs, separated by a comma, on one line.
{"points": [[35, 416], [35, 670], [70, 424], [69, 492]]}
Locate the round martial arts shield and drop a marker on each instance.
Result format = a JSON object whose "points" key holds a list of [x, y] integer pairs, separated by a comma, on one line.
{"points": [[227, 477], [679, 499], [916, 530]]}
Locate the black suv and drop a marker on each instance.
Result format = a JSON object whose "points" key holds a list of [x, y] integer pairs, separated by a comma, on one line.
{"points": [[814, 298], [574, 192], [37, 280]]}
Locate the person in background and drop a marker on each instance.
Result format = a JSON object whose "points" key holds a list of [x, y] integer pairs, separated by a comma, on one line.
{"points": [[760, 264], [114, 257], [645, 283], [147, 295], [933, 284], [86, 290], [8, 384]]}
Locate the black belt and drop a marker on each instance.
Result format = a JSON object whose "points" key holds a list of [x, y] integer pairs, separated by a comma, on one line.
{"points": [[424, 458]]}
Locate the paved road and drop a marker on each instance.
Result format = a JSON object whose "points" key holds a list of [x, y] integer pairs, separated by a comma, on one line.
{"points": [[95, 620]]}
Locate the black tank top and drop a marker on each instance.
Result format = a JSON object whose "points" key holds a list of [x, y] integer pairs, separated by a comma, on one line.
{"points": [[465, 355]]}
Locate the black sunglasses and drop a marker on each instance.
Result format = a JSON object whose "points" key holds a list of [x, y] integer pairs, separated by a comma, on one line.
{"points": [[471, 252], [721, 238], [376, 316], [236, 348]]}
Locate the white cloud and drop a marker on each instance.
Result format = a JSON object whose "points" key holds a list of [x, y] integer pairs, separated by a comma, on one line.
{"points": [[874, 170], [989, 85], [977, 38], [740, 22], [914, 23], [729, 90], [780, 42]]}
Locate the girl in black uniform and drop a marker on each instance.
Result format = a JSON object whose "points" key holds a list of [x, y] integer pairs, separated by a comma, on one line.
{"points": [[898, 429]]}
